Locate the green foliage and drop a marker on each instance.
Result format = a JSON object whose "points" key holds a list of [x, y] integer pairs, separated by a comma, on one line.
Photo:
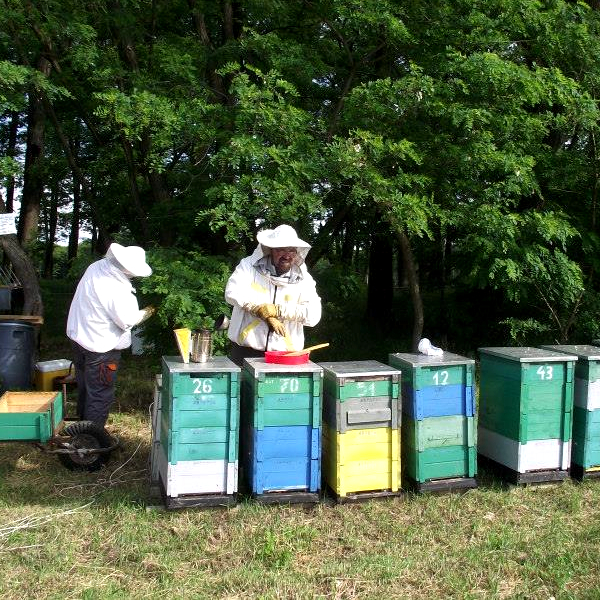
{"points": [[187, 289]]}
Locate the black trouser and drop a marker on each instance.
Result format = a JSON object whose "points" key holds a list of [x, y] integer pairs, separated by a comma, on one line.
{"points": [[238, 353], [96, 373]]}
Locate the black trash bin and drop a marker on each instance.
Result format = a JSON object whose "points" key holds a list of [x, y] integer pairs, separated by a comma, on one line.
{"points": [[17, 344]]}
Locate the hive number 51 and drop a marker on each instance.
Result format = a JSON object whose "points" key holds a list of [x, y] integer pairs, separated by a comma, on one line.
{"points": [[203, 386], [440, 377], [545, 372]]}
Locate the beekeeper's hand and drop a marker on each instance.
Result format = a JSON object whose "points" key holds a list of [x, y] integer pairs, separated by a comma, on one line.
{"points": [[276, 326], [147, 311], [265, 311]]}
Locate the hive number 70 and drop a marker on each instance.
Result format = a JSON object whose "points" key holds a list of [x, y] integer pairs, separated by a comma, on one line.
{"points": [[203, 386], [289, 384], [545, 372]]}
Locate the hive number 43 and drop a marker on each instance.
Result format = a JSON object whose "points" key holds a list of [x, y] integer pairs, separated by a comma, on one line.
{"points": [[203, 386], [545, 372], [289, 384], [440, 377]]}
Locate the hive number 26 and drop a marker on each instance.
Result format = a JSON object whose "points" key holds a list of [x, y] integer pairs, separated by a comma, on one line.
{"points": [[203, 386], [440, 377], [545, 372]]}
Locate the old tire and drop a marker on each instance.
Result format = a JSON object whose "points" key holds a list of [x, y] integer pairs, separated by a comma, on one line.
{"points": [[86, 435]]}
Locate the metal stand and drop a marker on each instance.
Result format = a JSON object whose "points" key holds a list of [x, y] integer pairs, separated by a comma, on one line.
{"points": [[357, 497]]}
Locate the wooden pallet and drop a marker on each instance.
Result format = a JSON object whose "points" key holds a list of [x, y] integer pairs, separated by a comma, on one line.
{"points": [[527, 478], [196, 500], [440, 486], [357, 497]]}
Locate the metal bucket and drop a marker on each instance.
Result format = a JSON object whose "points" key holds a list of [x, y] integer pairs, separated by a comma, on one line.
{"points": [[201, 346]]}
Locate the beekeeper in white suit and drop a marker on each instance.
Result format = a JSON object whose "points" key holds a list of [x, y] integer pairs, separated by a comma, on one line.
{"points": [[102, 313], [273, 296]]}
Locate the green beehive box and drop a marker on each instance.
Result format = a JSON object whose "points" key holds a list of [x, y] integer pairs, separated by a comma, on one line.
{"points": [[200, 410], [420, 371], [526, 393], [30, 416], [277, 395], [360, 379], [438, 432], [585, 450], [438, 463]]}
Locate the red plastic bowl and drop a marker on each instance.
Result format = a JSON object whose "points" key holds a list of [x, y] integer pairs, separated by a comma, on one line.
{"points": [[280, 357]]}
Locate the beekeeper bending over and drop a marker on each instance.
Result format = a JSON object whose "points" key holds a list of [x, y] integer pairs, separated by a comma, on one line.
{"points": [[103, 311], [273, 296]]}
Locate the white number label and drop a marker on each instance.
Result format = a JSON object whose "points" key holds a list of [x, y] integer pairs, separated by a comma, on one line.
{"points": [[365, 388], [289, 385], [203, 386], [545, 372], [440, 377]]}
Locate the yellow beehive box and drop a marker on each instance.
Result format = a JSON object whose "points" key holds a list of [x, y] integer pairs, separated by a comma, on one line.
{"points": [[48, 370], [361, 460]]}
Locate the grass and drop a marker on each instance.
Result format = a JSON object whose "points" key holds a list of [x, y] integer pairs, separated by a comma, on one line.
{"points": [[102, 535]]}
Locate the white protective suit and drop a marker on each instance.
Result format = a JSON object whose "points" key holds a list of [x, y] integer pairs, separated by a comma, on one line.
{"points": [[104, 309], [298, 299]]}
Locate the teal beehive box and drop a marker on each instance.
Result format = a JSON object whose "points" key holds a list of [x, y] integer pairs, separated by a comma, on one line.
{"points": [[198, 430], [525, 411], [585, 451]]}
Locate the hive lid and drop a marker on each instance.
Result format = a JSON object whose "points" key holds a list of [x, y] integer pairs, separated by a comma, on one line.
{"points": [[582, 351], [416, 359], [527, 354], [215, 364], [358, 368]]}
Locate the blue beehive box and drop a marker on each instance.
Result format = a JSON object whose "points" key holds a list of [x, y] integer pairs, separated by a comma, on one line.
{"points": [[280, 445]]}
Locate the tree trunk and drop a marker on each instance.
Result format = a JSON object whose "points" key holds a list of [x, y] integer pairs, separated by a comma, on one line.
{"points": [[11, 150], [51, 235], [24, 270], [33, 185], [73, 244], [410, 270], [380, 289]]}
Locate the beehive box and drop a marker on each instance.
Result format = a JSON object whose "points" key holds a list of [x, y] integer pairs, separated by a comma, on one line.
{"points": [[361, 460], [435, 386], [198, 427], [200, 410], [360, 395], [155, 424], [526, 395], [361, 438], [586, 440], [30, 416], [439, 448], [585, 454], [280, 430]]}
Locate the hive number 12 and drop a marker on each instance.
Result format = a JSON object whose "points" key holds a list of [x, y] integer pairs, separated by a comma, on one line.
{"points": [[440, 377], [289, 385], [545, 372], [203, 386]]}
